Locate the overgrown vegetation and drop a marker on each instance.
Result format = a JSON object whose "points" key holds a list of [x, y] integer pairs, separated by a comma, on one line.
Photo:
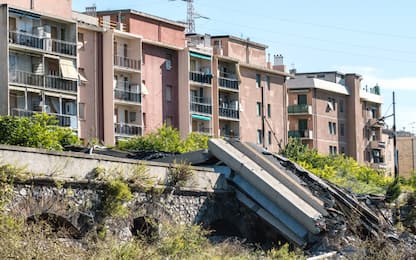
{"points": [[39, 131], [166, 139], [179, 174], [338, 169]]}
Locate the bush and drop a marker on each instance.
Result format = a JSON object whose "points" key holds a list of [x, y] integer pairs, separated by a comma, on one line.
{"points": [[179, 174], [166, 139], [338, 169], [116, 195], [39, 131]]}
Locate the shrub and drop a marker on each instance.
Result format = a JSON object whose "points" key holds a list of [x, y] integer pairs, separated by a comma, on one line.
{"points": [[179, 174], [39, 131], [116, 195], [165, 139]]}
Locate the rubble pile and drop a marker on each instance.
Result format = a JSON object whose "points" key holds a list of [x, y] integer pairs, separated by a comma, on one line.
{"points": [[357, 225]]}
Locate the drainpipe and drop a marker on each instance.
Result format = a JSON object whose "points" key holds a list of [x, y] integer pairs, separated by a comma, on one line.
{"points": [[262, 117]]}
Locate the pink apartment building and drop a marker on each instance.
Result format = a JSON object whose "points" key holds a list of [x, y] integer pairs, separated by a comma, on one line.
{"points": [[38, 49], [333, 113]]}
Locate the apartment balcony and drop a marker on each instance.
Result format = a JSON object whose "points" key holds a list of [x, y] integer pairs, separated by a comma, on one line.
{"points": [[200, 77], [229, 113], [302, 134], [299, 109], [59, 83], [127, 96], [127, 63], [127, 130], [41, 43], [70, 121], [26, 78], [203, 130], [376, 145], [230, 134], [228, 80], [201, 105], [379, 166], [375, 123]]}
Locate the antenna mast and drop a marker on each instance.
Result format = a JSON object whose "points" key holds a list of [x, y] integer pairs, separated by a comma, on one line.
{"points": [[191, 15]]}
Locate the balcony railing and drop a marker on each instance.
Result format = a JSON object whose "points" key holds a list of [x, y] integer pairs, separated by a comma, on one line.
{"points": [[64, 47], [201, 105], [63, 120], [126, 62], [229, 112], [121, 94], [307, 134], [299, 109], [228, 80], [56, 82], [47, 44], [122, 129], [27, 78], [203, 130], [200, 77]]}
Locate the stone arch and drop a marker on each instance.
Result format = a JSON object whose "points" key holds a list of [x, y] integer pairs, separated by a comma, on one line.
{"points": [[58, 224], [145, 227], [42, 202], [224, 227]]}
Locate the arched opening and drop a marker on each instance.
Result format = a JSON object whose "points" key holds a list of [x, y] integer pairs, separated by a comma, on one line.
{"points": [[57, 224], [146, 228], [224, 228]]}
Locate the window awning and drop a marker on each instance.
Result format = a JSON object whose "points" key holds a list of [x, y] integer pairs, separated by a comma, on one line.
{"points": [[24, 13], [330, 106], [68, 69], [200, 56], [143, 89], [81, 76], [205, 118]]}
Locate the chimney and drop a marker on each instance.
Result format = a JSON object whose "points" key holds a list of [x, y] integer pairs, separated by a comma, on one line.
{"points": [[91, 10], [268, 64], [278, 62]]}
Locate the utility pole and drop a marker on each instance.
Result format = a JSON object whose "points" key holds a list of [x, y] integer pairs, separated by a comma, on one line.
{"points": [[396, 153]]}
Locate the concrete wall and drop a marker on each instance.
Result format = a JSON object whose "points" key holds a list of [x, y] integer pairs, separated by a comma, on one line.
{"points": [[243, 51], [157, 78], [4, 57], [184, 95], [108, 87], [63, 9], [406, 146], [355, 122], [78, 166], [250, 122], [88, 91]]}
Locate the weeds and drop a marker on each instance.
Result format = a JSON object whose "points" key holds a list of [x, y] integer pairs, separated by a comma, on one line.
{"points": [[179, 174]]}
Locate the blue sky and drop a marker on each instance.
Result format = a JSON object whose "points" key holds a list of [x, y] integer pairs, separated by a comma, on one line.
{"points": [[373, 38]]}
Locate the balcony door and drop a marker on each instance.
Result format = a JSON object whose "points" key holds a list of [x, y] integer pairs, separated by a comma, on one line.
{"points": [[302, 125], [302, 100]]}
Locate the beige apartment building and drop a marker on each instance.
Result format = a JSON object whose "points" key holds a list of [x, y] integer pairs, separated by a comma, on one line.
{"points": [[38, 49], [333, 113]]}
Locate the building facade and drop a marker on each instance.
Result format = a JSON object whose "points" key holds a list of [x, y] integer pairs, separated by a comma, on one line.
{"points": [[38, 44], [331, 112], [406, 146]]}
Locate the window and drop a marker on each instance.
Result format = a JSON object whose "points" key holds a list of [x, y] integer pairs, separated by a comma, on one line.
{"points": [[125, 50], [341, 129], [259, 136], [81, 108], [168, 93], [132, 116], [332, 149], [168, 121], [258, 108], [268, 82], [302, 100], [343, 149], [341, 105], [81, 40], [168, 62], [269, 137], [332, 128], [331, 104], [258, 80], [269, 110]]}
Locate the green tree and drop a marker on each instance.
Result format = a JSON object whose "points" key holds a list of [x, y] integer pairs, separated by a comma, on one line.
{"points": [[39, 131]]}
